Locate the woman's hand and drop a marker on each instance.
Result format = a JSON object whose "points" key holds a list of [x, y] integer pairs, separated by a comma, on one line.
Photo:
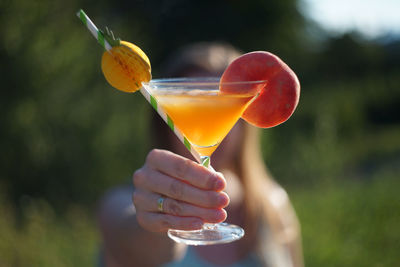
{"points": [[191, 193]]}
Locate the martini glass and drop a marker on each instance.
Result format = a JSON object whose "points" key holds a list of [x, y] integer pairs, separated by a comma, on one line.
{"points": [[204, 115]]}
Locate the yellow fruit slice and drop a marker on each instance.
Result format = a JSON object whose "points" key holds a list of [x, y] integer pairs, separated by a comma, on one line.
{"points": [[125, 67]]}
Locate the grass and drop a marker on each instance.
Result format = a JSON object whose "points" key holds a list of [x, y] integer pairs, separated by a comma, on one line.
{"points": [[37, 237], [345, 223], [351, 223]]}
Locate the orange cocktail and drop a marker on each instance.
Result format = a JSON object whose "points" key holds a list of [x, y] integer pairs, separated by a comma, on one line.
{"points": [[197, 109], [204, 116]]}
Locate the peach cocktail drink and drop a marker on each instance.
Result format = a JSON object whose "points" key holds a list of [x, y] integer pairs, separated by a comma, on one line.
{"points": [[204, 115]]}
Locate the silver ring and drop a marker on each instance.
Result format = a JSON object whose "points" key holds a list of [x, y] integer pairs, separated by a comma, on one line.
{"points": [[160, 204]]}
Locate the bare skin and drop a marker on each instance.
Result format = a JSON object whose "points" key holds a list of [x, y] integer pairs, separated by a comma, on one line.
{"points": [[193, 193]]}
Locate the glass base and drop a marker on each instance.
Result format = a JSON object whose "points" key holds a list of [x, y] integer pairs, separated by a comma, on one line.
{"points": [[210, 234]]}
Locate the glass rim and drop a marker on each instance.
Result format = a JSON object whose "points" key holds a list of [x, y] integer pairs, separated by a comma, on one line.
{"points": [[202, 81]]}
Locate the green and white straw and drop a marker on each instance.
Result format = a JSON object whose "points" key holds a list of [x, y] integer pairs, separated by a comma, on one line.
{"points": [[93, 29], [153, 101], [205, 161]]}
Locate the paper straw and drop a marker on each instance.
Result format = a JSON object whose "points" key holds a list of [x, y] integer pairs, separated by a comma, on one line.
{"points": [[93, 29], [167, 119], [205, 161]]}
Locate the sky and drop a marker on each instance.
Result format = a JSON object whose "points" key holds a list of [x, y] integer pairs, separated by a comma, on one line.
{"points": [[373, 18]]}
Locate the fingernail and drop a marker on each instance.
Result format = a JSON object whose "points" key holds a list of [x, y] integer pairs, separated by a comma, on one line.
{"points": [[224, 214], [220, 181], [223, 199], [219, 184], [221, 215]]}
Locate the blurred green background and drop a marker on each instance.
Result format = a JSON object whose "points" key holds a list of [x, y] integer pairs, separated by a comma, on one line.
{"points": [[66, 135]]}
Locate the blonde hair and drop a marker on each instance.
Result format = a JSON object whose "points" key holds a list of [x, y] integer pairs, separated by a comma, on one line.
{"points": [[271, 225], [270, 218]]}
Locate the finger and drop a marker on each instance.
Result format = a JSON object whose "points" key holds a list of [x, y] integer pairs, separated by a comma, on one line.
{"points": [[174, 188], [185, 169], [159, 222], [148, 201], [179, 208]]}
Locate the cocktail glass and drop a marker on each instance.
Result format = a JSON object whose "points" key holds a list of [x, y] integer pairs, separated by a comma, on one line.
{"points": [[204, 115]]}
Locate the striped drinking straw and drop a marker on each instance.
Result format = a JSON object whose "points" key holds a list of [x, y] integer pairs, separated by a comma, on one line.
{"points": [[205, 161]]}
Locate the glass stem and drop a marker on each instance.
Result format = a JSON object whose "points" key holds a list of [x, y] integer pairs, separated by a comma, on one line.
{"points": [[205, 161]]}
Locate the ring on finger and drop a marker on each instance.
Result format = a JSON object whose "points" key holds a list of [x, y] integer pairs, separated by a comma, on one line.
{"points": [[160, 204]]}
